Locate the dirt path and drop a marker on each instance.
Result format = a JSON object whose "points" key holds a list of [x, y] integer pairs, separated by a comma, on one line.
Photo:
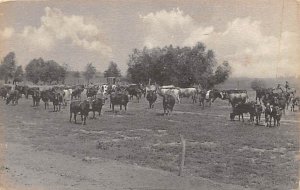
{"points": [[26, 168]]}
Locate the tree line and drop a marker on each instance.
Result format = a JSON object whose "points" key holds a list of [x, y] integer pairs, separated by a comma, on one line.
{"points": [[180, 66]]}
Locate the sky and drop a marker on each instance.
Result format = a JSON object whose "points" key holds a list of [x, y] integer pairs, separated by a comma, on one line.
{"points": [[259, 38]]}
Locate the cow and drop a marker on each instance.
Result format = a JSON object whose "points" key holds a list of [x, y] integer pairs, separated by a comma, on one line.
{"points": [[103, 89], [202, 95], [45, 97], [23, 89], [36, 97], [168, 103], [151, 97], [97, 104], [258, 109], [208, 96], [82, 107], [134, 90], [291, 91], [276, 114], [188, 92], [241, 108], [52, 96], [261, 92], [295, 102], [76, 93], [3, 92], [150, 88], [91, 92], [31, 90], [236, 97], [67, 96], [13, 96], [281, 102], [57, 100], [118, 99], [170, 91]]}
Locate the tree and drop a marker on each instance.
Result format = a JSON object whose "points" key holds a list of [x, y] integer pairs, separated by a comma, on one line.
{"points": [[19, 74], [33, 70], [182, 67], [258, 84], [112, 71], [89, 72], [8, 66], [45, 71]]}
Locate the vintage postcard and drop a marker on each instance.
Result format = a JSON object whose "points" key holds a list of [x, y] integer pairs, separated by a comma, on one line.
{"points": [[149, 94]]}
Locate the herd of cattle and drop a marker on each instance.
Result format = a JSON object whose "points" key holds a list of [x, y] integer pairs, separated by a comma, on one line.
{"points": [[83, 99]]}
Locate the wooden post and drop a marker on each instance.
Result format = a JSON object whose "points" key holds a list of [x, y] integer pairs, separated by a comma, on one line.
{"points": [[182, 155]]}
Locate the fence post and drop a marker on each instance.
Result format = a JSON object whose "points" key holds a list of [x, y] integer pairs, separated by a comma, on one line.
{"points": [[182, 155]]}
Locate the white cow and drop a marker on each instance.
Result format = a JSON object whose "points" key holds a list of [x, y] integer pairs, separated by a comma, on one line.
{"points": [[172, 91], [188, 92], [67, 96]]}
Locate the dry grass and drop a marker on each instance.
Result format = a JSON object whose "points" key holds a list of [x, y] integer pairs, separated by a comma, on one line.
{"points": [[218, 149]]}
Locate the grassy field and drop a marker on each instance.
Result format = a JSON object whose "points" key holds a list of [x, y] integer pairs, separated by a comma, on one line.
{"points": [[225, 151]]}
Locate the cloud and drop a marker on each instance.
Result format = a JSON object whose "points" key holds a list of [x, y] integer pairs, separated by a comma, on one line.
{"points": [[6, 33], [56, 27], [250, 52]]}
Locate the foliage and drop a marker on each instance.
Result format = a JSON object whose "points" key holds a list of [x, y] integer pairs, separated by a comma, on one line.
{"points": [[8, 66], [182, 67], [258, 84], [112, 71], [19, 74], [89, 72], [45, 71]]}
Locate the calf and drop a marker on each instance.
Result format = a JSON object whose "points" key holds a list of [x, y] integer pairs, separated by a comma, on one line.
{"points": [[168, 103], [241, 108], [151, 97], [82, 107], [119, 99]]}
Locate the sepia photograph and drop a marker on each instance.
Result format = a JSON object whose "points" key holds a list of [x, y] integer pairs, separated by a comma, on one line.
{"points": [[149, 94]]}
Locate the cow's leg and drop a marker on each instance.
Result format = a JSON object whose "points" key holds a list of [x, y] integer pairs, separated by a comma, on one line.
{"points": [[120, 107], [70, 116], [75, 117], [83, 119], [94, 114]]}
